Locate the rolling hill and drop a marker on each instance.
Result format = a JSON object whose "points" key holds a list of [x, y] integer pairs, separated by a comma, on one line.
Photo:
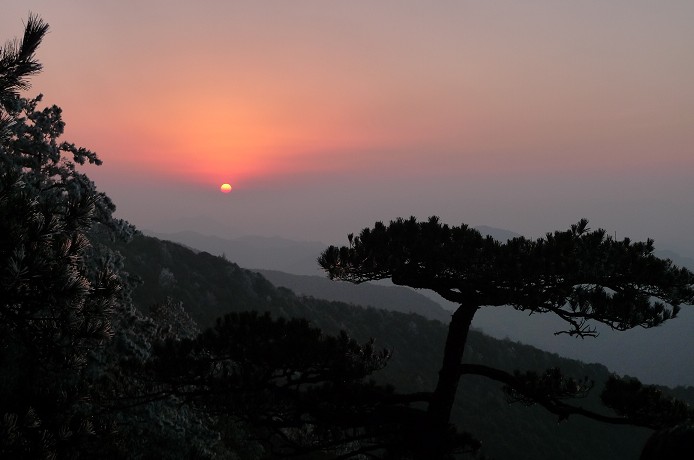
{"points": [[210, 286], [644, 353]]}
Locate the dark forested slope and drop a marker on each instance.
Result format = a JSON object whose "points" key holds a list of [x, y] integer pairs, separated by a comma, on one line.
{"points": [[210, 286]]}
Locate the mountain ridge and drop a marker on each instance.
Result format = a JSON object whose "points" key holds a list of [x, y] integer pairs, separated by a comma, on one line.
{"points": [[395, 298], [210, 286], [644, 353]]}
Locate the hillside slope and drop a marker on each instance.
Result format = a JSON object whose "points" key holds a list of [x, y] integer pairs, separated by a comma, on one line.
{"points": [[210, 286], [255, 252], [395, 298], [644, 353]]}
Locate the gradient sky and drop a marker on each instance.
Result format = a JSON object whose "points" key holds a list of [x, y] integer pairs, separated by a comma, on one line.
{"points": [[327, 116]]}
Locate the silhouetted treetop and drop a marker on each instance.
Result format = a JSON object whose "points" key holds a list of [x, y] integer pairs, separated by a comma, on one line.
{"points": [[18, 61], [578, 274]]}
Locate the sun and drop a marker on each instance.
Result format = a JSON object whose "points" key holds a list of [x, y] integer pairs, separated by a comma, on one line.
{"points": [[225, 188]]}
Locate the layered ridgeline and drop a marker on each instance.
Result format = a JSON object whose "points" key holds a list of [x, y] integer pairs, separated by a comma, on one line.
{"points": [[643, 353], [211, 286], [389, 297]]}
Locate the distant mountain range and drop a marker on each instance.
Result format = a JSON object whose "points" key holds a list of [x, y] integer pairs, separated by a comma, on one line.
{"points": [[653, 355], [395, 298], [297, 257]]}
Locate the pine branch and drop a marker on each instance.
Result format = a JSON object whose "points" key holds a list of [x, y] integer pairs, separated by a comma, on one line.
{"points": [[18, 61], [552, 404]]}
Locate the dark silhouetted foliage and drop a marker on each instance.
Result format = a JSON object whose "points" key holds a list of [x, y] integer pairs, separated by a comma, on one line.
{"points": [[297, 389], [646, 405], [673, 443], [582, 276], [55, 307], [18, 62]]}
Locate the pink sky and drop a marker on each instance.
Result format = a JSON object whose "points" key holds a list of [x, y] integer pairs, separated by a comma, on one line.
{"points": [[326, 116]]}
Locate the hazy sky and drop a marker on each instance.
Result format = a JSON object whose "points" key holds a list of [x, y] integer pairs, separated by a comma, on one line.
{"points": [[327, 116]]}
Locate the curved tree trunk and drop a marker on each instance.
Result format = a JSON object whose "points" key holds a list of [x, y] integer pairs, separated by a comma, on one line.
{"points": [[439, 411]]}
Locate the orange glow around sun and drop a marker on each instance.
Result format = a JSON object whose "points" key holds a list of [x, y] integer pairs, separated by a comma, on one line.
{"points": [[242, 140]]}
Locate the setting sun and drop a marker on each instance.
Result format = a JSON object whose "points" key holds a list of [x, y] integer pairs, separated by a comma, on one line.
{"points": [[225, 188]]}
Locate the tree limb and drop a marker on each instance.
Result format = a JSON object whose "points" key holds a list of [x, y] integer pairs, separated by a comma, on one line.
{"points": [[553, 405]]}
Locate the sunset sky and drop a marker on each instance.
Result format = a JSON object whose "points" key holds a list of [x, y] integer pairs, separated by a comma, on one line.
{"points": [[326, 116]]}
